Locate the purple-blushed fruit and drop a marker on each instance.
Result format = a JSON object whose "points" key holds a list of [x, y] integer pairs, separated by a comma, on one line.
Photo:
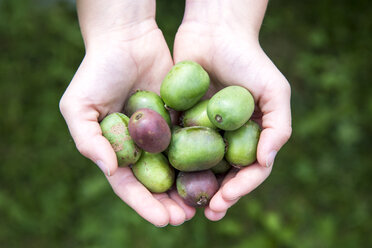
{"points": [[222, 167], [154, 172], [115, 129], [242, 144], [197, 188], [146, 99], [149, 130]]}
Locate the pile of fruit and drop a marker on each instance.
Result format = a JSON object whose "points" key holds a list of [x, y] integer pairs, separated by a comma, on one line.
{"points": [[207, 139]]}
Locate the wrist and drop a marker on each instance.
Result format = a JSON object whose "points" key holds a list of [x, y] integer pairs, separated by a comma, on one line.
{"points": [[115, 21], [242, 16]]}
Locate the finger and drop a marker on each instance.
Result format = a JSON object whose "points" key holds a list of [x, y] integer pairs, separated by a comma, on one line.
{"points": [[244, 182], [87, 135], [212, 215], [270, 90], [177, 215], [132, 192], [189, 211], [276, 122], [218, 203]]}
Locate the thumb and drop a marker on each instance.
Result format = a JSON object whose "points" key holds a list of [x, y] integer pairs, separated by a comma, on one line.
{"points": [[276, 121], [86, 132]]}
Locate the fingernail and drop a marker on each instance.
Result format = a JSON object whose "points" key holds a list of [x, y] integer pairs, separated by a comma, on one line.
{"points": [[178, 224], [103, 167], [235, 198], [163, 225], [270, 158]]}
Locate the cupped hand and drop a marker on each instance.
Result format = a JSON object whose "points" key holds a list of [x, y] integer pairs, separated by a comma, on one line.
{"points": [[223, 38], [111, 70]]}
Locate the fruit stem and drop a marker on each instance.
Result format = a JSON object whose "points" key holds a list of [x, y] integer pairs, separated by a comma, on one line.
{"points": [[218, 118], [203, 200], [139, 116]]}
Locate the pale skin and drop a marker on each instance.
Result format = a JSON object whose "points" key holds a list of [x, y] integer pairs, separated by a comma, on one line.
{"points": [[126, 51]]}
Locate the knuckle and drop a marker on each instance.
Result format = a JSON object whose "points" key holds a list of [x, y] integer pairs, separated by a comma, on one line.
{"points": [[62, 105], [287, 132], [124, 183], [65, 105], [287, 88], [82, 148]]}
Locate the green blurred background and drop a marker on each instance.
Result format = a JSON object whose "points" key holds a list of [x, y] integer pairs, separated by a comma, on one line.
{"points": [[318, 195]]}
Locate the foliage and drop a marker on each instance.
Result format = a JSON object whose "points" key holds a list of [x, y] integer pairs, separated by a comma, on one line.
{"points": [[317, 196]]}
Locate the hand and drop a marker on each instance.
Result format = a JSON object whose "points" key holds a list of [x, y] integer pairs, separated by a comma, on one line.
{"points": [[119, 59], [223, 37]]}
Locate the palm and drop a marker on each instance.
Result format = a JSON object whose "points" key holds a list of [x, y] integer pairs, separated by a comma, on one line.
{"points": [[101, 86], [229, 60], [234, 59], [106, 77]]}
